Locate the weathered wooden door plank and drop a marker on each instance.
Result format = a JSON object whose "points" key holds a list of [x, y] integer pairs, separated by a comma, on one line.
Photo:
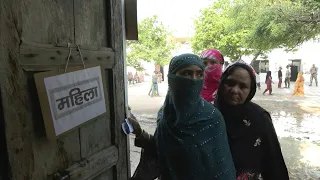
{"points": [[35, 57], [96, 136], [91, 31], [94, 165], [47, 22], [31, 157], [91, 23], [116, 11], [52, 22]]}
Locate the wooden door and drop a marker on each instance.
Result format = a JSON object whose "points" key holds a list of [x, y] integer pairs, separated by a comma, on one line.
{"points": [[34, 35]]}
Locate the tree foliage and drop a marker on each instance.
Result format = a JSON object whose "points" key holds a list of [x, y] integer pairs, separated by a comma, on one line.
{"points": [[255, 27], [213, 31], [152, 46]]}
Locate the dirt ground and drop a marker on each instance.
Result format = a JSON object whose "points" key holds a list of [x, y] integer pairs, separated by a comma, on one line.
{"points": [[296, 120]]}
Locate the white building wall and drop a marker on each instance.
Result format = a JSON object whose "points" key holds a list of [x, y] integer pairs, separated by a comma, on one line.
{"points": [[309, 53]]}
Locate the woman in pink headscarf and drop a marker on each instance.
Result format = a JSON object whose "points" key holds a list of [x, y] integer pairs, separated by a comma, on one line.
{"points": [[213, 60]]}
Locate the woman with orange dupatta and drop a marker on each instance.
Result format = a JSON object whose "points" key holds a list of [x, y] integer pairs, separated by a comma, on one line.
{"points": [[299, 85]]}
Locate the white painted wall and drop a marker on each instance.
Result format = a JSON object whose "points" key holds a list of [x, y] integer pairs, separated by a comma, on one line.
{"points": [[309, 53]]}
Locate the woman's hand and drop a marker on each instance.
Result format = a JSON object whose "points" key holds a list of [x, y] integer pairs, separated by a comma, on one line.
{"points": [[136, 126]]}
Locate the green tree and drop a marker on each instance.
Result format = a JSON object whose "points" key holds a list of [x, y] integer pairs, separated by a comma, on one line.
{"points": [[273, 27], [255, 27], [213, 30], [153, 44]]}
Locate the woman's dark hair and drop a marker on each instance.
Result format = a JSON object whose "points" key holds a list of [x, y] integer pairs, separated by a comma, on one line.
{"points": [[222, 62], [268, 75]]}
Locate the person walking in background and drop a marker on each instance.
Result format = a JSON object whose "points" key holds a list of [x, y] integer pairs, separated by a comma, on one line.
{"points": [[280, 77], [136, 78], [269, 83], [314, 74], [258, 80], [299, 85], [159, 77], [141, 76], [130, 78], [288, 76], [154, 85]]}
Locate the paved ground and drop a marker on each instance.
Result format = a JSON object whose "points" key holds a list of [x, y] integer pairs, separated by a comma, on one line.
{"points": [[296, 119]]}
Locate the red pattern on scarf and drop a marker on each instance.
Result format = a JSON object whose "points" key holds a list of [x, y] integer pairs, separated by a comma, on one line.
{"points": [[212, 54], [212, 76]]}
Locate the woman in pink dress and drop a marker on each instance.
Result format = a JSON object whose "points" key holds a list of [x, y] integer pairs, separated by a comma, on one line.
{"points": [[269, 83]]}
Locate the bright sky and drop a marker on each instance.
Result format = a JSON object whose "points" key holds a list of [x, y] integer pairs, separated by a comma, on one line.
{"points": [[178, 15]]}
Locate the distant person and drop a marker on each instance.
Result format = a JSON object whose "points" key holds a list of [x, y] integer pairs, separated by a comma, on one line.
{"points": [[258, 80], [213, 61], [141, 76], [136, 78], [313, 75], [280, 77], [130, 78], [288, 76], [154, 85], [299, 85], [269, 83], [159, 77]]}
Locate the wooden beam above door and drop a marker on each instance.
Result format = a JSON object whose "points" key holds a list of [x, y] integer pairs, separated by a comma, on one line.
{"points": [[45, 57]]}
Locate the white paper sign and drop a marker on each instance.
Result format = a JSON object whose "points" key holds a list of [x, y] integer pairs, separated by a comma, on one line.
{"points": [[75, 98]]}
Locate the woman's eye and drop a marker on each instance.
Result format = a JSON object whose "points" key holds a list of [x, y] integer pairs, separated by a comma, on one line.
{"points": [[187, 73], [230, 83], [243, 86]]}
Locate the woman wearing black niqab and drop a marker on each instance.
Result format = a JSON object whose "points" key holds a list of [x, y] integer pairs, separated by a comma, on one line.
{"points": [[252, 138]]}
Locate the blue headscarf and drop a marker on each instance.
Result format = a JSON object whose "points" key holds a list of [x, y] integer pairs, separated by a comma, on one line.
{"points": [[191, 135]]}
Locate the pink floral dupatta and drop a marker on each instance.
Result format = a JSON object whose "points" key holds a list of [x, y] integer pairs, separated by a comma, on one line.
{"points": [[211, 82]]}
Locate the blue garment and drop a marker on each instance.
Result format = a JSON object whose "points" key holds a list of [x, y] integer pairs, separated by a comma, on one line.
{"points": [[154, 87], [191, 135]]}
